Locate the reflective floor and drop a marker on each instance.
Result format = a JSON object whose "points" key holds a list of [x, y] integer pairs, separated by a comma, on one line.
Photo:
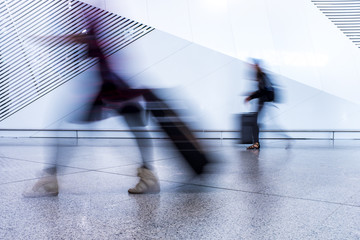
{"points": [[308, 191]]}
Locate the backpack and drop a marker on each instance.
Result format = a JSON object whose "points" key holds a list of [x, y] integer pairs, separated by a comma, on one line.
{"points": [[269, 91]]}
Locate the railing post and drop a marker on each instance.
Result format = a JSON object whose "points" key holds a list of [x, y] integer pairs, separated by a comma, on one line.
{"points": [[77, 136]]}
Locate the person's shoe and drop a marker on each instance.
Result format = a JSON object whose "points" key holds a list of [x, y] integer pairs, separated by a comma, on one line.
{"points": [[148, 183], [46, 186], [254, 146]]}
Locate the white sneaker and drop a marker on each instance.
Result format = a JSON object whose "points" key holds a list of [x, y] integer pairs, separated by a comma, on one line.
{"points": [[148, 183], [46, 186]]}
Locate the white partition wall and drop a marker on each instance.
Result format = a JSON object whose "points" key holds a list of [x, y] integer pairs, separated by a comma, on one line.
{"points": [[294, 37], [202, 47]]}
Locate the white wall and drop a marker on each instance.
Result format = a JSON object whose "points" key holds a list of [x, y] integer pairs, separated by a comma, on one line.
{"points": [[294, 37], [201, 49]]}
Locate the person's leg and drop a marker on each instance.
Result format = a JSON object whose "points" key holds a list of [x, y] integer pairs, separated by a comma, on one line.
{"points": [[255, 134], [144, 142], [148, 182], [256, 129], [47, 185]]}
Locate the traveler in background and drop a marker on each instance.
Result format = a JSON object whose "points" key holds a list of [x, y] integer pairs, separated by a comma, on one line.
{"points": [[264, 93]]}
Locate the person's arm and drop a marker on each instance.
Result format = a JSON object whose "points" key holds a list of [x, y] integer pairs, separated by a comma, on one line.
{"points": [[252, 96]]}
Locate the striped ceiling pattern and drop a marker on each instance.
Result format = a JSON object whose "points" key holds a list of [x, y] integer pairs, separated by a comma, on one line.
{"points": [[32, 60], [345, 14]]}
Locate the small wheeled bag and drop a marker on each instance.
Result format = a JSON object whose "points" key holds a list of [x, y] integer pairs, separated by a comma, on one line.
{"points": [[248, 123]]}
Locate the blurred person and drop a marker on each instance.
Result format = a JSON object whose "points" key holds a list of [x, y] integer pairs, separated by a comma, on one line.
{"points": [[115, 89], [116, 94], [113, 93], [264, 93]]}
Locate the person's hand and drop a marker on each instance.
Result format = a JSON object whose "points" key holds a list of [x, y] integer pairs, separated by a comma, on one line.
{"points": [[247, 99]]}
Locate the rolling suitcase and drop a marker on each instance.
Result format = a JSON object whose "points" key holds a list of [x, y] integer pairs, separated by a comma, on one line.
{"points": [[178, 132], [248, 123]]}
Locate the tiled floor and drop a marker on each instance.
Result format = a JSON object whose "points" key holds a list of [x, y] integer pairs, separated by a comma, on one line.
{"points": [[310, 191]]}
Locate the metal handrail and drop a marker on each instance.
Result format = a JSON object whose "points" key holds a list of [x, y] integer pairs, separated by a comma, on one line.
{"points": [[221, 132]]}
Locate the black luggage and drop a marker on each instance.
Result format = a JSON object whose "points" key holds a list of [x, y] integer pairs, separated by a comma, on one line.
{"points": [[248, 123], [178, 132]]}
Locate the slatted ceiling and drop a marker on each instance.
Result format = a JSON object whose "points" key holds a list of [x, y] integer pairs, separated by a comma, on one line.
{"points": [[332, 3], [346, 24], [345, 14], [349, 7], [32, 64], [4, 101], [48, 84]]}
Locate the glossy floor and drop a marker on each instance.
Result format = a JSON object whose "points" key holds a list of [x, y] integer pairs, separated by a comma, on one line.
{"points": [[308, 191]]}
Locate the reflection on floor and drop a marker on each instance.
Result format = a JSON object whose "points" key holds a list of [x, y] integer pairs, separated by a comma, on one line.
{"points": [[309, 191]]}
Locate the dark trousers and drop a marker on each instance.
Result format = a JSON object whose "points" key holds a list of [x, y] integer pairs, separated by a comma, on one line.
{"points": [[256, 130]]}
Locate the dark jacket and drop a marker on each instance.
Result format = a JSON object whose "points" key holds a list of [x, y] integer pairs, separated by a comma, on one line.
{"points": [[265, 92]]}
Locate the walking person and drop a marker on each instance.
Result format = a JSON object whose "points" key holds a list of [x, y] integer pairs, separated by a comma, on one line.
{"points": [[264, 93], [113, 93], [116, 94]]}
